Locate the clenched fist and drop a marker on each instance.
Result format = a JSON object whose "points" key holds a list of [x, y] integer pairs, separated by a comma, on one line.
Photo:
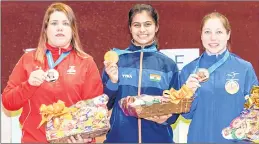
{"points": [[193, 82], [37, 77], [112, 71]]}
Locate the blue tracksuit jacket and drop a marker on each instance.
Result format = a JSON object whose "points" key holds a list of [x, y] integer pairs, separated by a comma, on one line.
{"points": [[124, 129], [214, 108]]}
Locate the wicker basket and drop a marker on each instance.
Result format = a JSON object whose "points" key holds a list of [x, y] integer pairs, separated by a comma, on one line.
{"points": [[89, 118], [94, 134], [163, 109], [156, 109]]}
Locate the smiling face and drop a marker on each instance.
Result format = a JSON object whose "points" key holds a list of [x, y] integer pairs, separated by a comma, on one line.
{"points": [[214, 36], [59, 32], [143, 28]]}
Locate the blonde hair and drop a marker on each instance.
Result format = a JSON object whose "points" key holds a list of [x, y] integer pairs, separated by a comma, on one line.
{"points": [[75, 41], [223, 20]]}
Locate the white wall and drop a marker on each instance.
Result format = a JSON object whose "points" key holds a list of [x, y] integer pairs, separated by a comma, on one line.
{"points": [[181, 57], [10, 126], [6, 130]]}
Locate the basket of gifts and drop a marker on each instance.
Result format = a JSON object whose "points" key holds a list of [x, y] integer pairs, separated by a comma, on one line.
{"points": [[89, 118], [144, 106], [246, 126]]}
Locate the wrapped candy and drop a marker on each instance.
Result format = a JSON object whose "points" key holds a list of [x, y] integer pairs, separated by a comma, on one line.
{"points": [[89, 118], [145, 106], [246, 126]]}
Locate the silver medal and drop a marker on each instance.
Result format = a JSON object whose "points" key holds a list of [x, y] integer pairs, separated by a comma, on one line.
{"points": [[52, 75]]}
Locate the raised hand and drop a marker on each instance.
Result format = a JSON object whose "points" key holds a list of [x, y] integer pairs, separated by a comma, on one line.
{"points": [[37, 77], [193, 82], [112, 71]]}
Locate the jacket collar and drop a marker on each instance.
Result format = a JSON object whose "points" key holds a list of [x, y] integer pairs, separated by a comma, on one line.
{"points": [[56, 50], [133, 47]]}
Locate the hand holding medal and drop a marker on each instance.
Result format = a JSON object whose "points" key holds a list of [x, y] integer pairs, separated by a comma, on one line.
{"points": [[36, 77], [52, 75], [193, 82], [111, 68]]}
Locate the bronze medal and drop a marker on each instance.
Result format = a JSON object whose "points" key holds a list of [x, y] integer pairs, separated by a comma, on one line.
{"points": [[203, 74]]}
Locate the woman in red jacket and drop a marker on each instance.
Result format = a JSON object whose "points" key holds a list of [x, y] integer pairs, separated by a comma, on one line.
{"points": [[59, 69]]}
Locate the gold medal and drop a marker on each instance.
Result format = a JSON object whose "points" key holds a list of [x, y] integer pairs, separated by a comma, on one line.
{"points": [[203, 74], [232, 86], [111, 56], [52, 75]]}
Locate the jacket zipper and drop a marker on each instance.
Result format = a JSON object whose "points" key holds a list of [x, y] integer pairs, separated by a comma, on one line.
{"points": [[114, 118]]}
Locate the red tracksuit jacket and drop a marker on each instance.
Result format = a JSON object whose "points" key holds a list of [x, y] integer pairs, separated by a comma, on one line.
{"points": [[83, 83]]}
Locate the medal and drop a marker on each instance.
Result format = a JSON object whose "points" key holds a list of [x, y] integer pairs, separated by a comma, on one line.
{"points": [[232, 86], [203, 74], [111, 56], [52, 75]]}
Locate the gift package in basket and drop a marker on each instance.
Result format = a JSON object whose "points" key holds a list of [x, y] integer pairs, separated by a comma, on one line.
{"points": [[89, 118], [246, 126], [144, 106]]}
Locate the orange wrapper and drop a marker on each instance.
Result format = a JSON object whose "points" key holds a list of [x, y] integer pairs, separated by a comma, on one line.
{"points": [[55, 110], [176, 96]]}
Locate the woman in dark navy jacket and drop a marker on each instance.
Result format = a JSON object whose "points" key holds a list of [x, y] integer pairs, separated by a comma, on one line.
{"points": [[222, 82], [122, 79]]}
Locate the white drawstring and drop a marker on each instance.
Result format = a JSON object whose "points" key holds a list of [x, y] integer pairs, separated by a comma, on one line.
{"points": [[26, 116], [139, 93], [59, 51]]}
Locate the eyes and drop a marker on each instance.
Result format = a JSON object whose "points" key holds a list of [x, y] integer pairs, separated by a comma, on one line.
{"points": [[146, 24], [209, 32], [55, 23]]}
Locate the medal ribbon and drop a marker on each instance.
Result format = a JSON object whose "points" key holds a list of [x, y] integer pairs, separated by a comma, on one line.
{"points": [[120, 52], [51, 62], [212, 68]]}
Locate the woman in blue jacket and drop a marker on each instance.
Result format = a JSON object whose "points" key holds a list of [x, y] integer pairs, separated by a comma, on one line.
{"points": [[222, 80], [141, 58]]}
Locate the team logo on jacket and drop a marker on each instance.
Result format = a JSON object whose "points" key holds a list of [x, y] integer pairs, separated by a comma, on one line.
{"points": [[232, 86], [71, 70], [155, 77], [126, 75]]}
